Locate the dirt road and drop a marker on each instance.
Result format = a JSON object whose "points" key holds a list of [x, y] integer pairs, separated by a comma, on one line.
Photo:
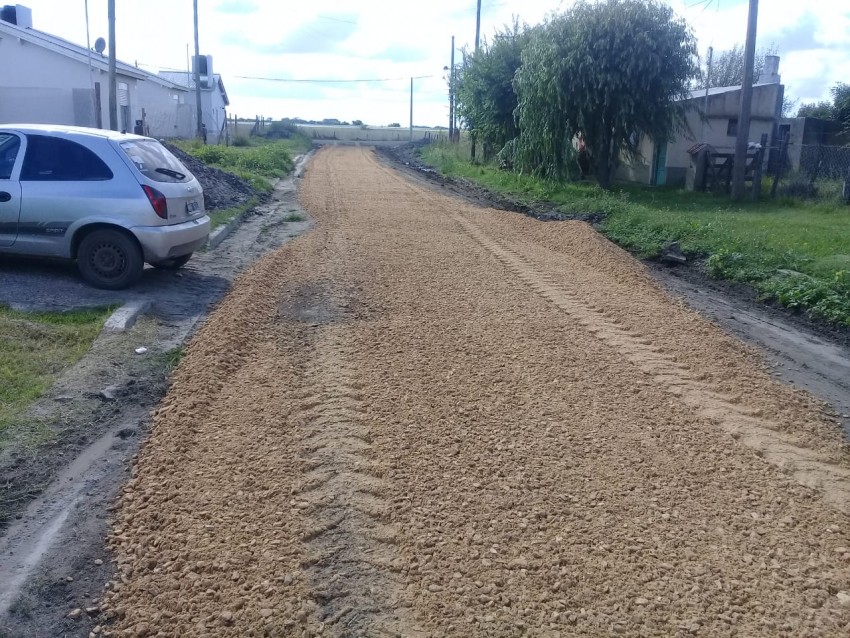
{"points": [[429, 419]]}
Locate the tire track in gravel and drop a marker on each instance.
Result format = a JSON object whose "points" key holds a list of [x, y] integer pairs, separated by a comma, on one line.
{"points": [[349, 540], [744, 422], [350, 554]]}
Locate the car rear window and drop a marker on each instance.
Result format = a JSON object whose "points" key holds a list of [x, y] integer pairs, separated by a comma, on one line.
{"points": [[155, 162], [54, 159]]}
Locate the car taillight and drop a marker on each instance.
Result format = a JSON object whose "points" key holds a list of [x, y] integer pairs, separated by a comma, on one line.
{"points": [[157, 200]]}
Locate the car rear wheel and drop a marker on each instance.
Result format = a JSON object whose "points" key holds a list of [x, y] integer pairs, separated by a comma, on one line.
{"points": [[109, 259], [172, 264]]}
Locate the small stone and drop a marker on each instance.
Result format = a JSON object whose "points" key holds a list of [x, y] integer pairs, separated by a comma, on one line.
{"points": [[434, 588], [91, 611], [69, 579], [843, 598], [141, 350], [266, 613], [226, 617], [641, 601], [76, 613], [98, 562], [287, 580]]}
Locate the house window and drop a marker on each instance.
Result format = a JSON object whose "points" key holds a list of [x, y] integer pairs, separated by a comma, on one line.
{"points": [[732, 127]]}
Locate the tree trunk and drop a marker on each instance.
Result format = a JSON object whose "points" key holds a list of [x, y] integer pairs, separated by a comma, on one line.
{"points": [[603, 166]]}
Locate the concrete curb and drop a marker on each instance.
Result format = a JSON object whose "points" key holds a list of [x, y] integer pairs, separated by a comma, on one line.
{"points": [[223, 232], [125, 317]]}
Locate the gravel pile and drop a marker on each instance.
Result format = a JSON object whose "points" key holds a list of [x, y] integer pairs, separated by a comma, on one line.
{"points": [[221, 189], [430, 419]]}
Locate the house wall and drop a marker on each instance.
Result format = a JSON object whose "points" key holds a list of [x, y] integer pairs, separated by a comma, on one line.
{"points": [[766, 106], [167, 113], [42, 86], [214, 112], [45, 87], [810, 131]]}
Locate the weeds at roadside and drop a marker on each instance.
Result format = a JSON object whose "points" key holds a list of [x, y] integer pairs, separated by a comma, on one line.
{"points": [[172, 358], [294, 217]]}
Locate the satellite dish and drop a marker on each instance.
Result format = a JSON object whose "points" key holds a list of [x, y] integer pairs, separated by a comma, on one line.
{"points": [[100, 45]]}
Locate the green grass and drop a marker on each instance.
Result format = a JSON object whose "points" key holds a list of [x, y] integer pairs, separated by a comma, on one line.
{"points": [[225, 215], [173, 357], [750, 242], [34, 349], [257, 162], [294, 217]]}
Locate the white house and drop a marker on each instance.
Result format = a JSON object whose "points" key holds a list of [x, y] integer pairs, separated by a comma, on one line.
{"points": [[668, 162], [214, 100], [47, 80]]}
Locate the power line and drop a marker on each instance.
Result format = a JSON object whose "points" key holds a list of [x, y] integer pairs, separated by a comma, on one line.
{"points": [[323, 81], [337, 19]]}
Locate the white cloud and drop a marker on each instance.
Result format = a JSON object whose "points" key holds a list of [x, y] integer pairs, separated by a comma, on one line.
{"points": [[341, 39]]}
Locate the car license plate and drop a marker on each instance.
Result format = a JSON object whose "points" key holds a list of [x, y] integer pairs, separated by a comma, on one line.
{"points": [[192, 207]]}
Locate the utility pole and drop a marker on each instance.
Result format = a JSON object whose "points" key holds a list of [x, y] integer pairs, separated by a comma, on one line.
{"points": [[452, 95], [707, 84], [411, 109], [113, 86], [199, 111], [474, 133], [740, 166], [478, 25]]}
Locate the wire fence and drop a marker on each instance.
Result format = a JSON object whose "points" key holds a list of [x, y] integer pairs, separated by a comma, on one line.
{"points": [[812, 171]]}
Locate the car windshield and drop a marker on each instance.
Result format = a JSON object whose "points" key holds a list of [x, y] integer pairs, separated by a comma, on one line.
{"points": [[155, 162]]}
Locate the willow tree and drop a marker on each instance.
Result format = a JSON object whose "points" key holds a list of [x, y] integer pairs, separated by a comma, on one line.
{"points": [[485, 94], [603, 73]]}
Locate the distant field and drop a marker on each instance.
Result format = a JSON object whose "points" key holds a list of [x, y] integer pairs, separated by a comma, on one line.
{"points": [[357, 133], [369, 133]]}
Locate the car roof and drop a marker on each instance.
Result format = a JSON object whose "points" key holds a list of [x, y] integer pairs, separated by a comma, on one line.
{"points": [[71, 131]]}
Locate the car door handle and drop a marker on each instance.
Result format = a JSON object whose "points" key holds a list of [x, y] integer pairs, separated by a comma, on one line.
{"points": [[4, 196]]}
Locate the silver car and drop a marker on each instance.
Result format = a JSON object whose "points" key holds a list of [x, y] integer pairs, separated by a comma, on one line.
{"points": [[111, 201]]}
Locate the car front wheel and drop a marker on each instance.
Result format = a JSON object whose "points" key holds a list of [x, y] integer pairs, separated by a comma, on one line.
{"points": [[172, 264], [110, 259]]}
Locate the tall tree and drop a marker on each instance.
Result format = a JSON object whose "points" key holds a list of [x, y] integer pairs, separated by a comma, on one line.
{"points": [[821, 110], [485, 92], [838, 109], [841, 104], [605, 72], [727, 67]]}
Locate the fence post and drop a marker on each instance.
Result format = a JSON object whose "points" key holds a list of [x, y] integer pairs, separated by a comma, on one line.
{"points": [[783, 152]]}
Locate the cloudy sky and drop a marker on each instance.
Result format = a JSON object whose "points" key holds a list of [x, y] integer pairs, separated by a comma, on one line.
{"points": [[397, 39]]}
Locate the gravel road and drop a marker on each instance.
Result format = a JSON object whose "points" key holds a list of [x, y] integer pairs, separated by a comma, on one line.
{"points": [[425, 418]]}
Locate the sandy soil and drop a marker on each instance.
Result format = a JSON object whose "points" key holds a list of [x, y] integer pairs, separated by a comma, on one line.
{"points": [[430, 419]]}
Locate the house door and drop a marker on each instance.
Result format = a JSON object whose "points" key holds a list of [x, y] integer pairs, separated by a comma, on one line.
{"points": [[659, 164]]}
